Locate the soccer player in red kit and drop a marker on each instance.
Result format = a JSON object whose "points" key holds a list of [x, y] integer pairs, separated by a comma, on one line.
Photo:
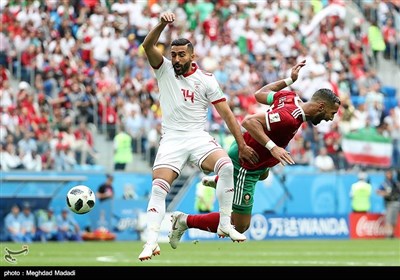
{"points": [[268, 133]]}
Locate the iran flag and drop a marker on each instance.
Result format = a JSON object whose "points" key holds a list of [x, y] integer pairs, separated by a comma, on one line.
{"points": [[367, 147]]}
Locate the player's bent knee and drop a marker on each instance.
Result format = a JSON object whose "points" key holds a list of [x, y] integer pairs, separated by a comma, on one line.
{"points": [[160, 187], [224, 166]]}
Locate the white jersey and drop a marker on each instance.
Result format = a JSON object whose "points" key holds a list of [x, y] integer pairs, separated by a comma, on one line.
{"points": [[185, 98]]}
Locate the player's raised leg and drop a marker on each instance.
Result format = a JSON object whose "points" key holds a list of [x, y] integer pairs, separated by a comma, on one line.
{"points": [[179, 226]]}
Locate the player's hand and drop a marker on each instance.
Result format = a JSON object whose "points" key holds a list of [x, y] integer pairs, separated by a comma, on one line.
{"points": [[167, 17], [295, 70], [249, 154], [282, 155]]}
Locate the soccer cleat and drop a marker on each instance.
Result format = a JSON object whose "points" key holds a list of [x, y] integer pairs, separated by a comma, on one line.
{"points": [[230, 231], [209, 181], [179, 226], [149, 250]]}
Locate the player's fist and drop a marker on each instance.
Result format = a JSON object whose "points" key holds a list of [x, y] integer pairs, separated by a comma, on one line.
{"points": [[167, 17]]}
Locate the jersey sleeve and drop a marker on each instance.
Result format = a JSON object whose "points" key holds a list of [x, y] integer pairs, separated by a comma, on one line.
{"points": [[282, 93], [275, 95], [162, 68], [214, 91]]}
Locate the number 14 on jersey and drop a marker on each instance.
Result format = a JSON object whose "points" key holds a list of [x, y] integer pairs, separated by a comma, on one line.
{"points": [[188, 95]]}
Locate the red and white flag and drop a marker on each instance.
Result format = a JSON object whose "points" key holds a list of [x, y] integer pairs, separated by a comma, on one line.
{"points": [[366, 147]]}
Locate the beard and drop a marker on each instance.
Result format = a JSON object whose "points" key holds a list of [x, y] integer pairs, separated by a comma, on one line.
{"points": [[315, 122], [317, 119], [182, 69]]}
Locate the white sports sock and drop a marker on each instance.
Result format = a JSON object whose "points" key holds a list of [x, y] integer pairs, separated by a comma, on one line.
{"points": [[224, 189], [156, 208]]}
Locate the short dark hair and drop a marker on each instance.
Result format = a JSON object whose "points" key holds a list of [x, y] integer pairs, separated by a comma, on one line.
{"points": [[183, 42], [327, 95]]}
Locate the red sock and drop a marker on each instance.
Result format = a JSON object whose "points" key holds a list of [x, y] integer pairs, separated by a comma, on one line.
{"points": [[208, 222]]}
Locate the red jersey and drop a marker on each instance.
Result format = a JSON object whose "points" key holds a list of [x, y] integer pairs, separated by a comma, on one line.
{"points": [[283, 119]]}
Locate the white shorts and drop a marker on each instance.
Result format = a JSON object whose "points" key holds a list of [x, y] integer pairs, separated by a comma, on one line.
{"points": [[179, 148]]}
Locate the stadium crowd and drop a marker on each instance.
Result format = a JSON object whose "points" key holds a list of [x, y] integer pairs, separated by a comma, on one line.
{"points": [[79, 66]]}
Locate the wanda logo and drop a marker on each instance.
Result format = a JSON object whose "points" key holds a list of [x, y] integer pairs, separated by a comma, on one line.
{"points": [[367, 227]]}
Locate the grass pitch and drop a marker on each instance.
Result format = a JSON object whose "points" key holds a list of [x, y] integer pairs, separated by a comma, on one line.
{"points": [[379, 252]]}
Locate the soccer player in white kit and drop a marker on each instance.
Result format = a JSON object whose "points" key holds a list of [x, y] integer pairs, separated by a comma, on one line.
{"points": [[185, 95]]}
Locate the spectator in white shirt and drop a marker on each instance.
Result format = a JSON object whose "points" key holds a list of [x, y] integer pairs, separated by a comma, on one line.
{"points": [[323, 161], [9, 159]]}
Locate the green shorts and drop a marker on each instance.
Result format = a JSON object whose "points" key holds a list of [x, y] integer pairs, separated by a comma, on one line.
{"points": [[245, 183]]}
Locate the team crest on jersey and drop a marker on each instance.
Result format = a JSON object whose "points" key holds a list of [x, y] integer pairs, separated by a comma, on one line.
{"points": [[197, 87], [274, 118], [246, 198]]}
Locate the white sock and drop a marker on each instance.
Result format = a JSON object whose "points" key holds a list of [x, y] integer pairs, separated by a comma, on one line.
{"points": [[224, 189], [156, 208]]}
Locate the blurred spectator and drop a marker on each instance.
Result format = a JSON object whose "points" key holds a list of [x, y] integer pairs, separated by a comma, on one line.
{"points": [[27, 144], [7, 94], [376, 41], [5, 45], [64, 157], [390, 191], [332, 142], [153, 140], [47, 226], [389, 36], [122, 149], [13, 225], [134, 127], [9, 159], [28, 223], [101, 45], [205, 198], [360, 194], [105, 195], [84, 145], [32, 161], [106, 189], [323, 162], [68, 227], [129, 192], [392, 120], [118, 49], [301, 152]]}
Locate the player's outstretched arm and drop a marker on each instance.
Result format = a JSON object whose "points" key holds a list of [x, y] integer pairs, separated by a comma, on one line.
{"points": [[154, 55], [245, 151], [263, 94], [255, 124]]}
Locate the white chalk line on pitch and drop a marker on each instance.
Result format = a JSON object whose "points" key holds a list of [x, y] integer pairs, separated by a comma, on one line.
{"points": [[274, 262], [242, 260]]}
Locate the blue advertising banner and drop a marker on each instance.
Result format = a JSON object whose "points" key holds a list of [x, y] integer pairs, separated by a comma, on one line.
{"points": [[268, 227], [298, 227], [126, 218]]}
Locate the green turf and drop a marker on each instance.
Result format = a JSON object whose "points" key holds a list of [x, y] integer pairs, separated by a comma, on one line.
{"points": [[379, 252]]}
